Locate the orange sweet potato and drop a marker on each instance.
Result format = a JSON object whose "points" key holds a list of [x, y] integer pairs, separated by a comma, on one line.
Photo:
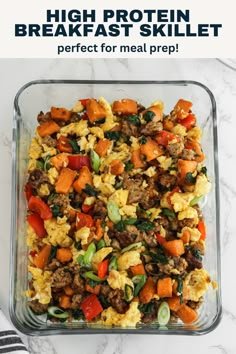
{"points": [[95, 290], [168, 124], [158, 113], [125, 106], [48, 128], [136, 159], [186, 237], [63, 254], [148, 291], [182, 108], [69, 291], [102, 147], [151, 150], [116, 167], [60, 113], [138, 269], [99, 230], [59, 160], [65, 180], [65, 301], [94, 111], [174, 247], [175, 289], [164, 287], [174, 303], [199, 155], [184, 167], [187, 314], [41, 259], [84, 178]]}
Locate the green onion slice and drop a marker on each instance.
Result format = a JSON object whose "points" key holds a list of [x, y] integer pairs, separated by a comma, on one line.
{"points": [[139, 280], [95, 161], [163, 314], [132, 247], [89, 253], [195, 200], [92, 276], [113, 264], [129, 292], [57, 312], [113, 212]]}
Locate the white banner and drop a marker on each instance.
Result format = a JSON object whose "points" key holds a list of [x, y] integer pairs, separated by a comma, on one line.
{"points": [[117, 29]]}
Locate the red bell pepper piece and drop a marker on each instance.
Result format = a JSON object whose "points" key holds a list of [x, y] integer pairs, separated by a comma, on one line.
{"points": [[28, 191], [37, 224], [91, 307], [160, 239], [189, 122], [63, 144], [86, 208], [37, 205], [103, 268], [84, 220], [202, 228], [164, 137], [78, 161], [175, 190], [84, 101]]}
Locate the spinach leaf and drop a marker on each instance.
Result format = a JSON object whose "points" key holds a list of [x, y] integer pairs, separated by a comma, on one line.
{"points": [[159, 258], [75, 146], [145, 225], [100, 121], [119, 184], [77, 314], [40, 164], [204, 170], [53, 252], [129, 166], [134, 119], [143, 140], [197, 254], [189, 178], [148, 116], [113, 135], [90, 190], [168, 213], [56, 211]]}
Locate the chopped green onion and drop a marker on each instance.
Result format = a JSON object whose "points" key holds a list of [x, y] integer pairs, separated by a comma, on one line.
{"points": [[139, 280], [47, 165], [40, 164], [129, 166], [90, 190], [145, 225], [89, 253], [92, 276], [80, 260], [95, 161], [163, 314], [75, 147], [129, 292], [113, 212], [119, 184], [180, 288], [113, 264], [168, 213], [195, 200], [148, 116], [132, 247], [101, 244], [57, 312], [130, 221]]}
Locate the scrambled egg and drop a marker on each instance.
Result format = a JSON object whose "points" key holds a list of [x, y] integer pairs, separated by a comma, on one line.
{"points": [[150, 172], [106, 188], [195, 134], [53, 175], [109, 178], [106, 237], [78, 107], [48, 151], [121, 155], [165, 162], [110, 317], [82, 235], [118, 280], [110, 119], [75, 254], [89, 200], [179, 129], [35, 150], [195, 234], [164, 200], [129, 210], [87, 144], [153, 213], [180, 201], [197, 283], [128, 259], [202, 186], [134, 143], [78, 128], [44, 190], [98, 132], [41, 284], [32, 165], [57, 230], [120, 197], [159, 104], [32, 238], [189, 213], [100, 255]]}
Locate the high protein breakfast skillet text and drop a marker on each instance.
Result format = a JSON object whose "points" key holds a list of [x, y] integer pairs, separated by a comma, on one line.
{"points": [[114, 228]]}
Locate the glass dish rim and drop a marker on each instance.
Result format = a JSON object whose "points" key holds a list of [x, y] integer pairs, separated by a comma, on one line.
{"points": [[69, 331]]}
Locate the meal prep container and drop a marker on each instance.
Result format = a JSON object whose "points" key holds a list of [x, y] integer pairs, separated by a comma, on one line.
{"points": [[39, 96]]}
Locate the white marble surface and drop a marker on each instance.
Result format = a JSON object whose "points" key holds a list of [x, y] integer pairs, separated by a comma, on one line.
{"points": [[222, 81]]}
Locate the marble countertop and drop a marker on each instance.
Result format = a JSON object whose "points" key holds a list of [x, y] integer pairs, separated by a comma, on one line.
{"points": [[222, 82]]}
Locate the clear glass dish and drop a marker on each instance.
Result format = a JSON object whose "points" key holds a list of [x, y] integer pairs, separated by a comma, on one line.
{"points": [[41, 95]]}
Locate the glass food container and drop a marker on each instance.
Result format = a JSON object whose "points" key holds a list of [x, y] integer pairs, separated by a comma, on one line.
{"points": [[39, 96]]}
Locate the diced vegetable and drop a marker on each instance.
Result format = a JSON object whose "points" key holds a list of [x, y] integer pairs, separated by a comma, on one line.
{"points": [[163, 314], [113, 212], [136, 159], [94, 111], [189, 122], [132, 247], [160, 239], [139, 281], [76, 162], [174, 303], [93, 290], [138, 269], [63, 144], [187, 314], [92, 276], [84, 101], [84, 220], [36, 222], [37, 205], [148, 291], [164, 287], [41, 258], [64, 254], [86, 208], [102, 147], [151, 150], [182, 108], [60, 113], [59, 161], [129, 292], [174, 247], [195, 200], [85, 177], [113, 264], [56, 312], [164, 137], [48, 128], [170, 194], [116, 167], [89, 254], [101, 244], [95, 161], [99, 229], [185, 237], [153, 114], [91, 307], [103, 268], [196, 147], [184, 167], [202, 228], [65, 180], [28, 191], [125, 106], [168, 124], [68, 290], [65, 301]]}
